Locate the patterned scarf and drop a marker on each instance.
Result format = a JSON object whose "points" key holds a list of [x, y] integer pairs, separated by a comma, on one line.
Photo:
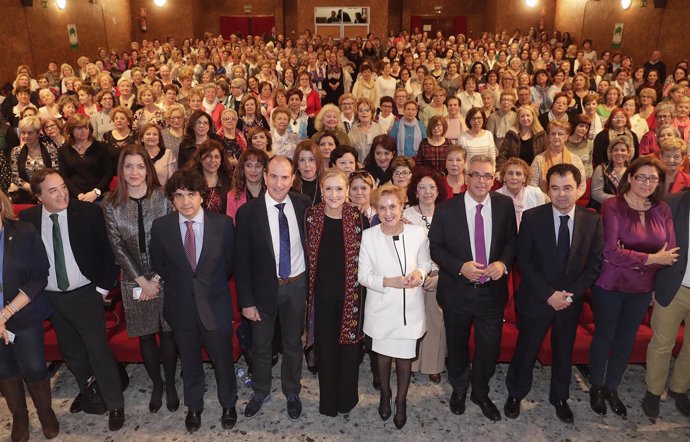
{"points": [[402, 129], [551, 159], [352, 319]]}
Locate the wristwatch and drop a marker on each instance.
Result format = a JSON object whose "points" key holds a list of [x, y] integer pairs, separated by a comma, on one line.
{"points": [[97, 191]]}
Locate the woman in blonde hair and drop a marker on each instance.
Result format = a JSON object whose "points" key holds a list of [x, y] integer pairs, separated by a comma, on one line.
{"points": [[525, 139]]}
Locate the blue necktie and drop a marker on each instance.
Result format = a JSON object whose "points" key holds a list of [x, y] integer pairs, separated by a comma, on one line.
{"points": [[284, 268]]}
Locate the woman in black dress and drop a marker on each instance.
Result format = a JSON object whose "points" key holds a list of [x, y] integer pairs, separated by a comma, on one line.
{"points": [[211, 161], [334, 303]]}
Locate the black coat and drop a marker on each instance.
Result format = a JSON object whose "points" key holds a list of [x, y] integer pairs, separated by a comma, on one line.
{"points": [[667, 280]]}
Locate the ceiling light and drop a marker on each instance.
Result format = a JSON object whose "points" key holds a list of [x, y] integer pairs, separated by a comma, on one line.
{"points": [[625, 4]]}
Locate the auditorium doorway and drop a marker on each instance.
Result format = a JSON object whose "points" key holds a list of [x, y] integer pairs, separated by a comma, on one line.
{"points": [[255, 25], [433, 23]]}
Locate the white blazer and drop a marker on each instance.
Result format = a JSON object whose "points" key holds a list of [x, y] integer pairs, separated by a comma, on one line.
{"points": [[384, 317]]}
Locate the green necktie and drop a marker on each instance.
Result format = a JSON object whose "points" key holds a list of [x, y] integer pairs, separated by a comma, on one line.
{"points": [[59, 250]]}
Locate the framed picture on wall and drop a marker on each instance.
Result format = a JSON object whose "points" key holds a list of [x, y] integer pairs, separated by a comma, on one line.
{"points": [[333, 20]]}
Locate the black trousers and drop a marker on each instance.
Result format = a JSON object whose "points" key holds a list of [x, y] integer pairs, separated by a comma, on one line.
{"points": [[482, 307], [79, 322], [563, 325], [218, 344], [290, 305], [338, 364]]}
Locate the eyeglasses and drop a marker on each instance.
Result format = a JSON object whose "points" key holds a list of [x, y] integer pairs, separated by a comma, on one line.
{"points": [[424, 188], [365, 109], [229, 119], [479, 176], [676, 157], [201, 123], [402, 173], [644, 178]]}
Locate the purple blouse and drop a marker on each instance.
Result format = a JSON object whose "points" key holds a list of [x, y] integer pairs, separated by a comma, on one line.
{"points": [[627, 243]]}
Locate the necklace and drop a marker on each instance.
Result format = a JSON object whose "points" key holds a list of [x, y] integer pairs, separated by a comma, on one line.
{"points": [[424, 218]]}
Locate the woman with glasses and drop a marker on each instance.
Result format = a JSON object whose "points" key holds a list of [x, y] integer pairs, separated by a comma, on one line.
{"points": [[476, 140], [402, 168], [663, 121], [174, 130], [52, 133], [618, 124], [425, 191], [199, 129], [363, 133], [638, 240], [556, 153], [673, 152]]}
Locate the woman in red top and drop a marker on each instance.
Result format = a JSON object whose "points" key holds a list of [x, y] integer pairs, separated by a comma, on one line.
{"points": [[311, 103]]}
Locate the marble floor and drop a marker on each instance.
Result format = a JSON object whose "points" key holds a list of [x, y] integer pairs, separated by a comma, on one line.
{"points": [[429, 418]]}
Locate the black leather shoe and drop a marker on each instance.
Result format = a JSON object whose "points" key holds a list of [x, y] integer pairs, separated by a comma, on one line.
{"points": [[229, 418], [400, 418], [254, 405], [488, 408], [616, 405], [650, 405], [294, 407], [77, 404], [385, 406], [682, 402], [156, 401], [563, 412], [172, 400], [512, 407], [597, 400], [193, 421], [457, 403], [116, 419]]}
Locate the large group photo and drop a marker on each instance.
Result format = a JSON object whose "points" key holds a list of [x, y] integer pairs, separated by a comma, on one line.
{"points": [[329, 234]]}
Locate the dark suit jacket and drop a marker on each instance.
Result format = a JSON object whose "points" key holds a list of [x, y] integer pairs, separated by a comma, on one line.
{"points": [[257, 281], [204, 291], [87, 238], [668, 279], [26, 269], [539, 277], [450, 245]]}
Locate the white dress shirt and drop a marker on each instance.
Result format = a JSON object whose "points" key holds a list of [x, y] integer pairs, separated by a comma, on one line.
{"points": [[296, 251], [198, 227], [74, 275], [470, 212]]}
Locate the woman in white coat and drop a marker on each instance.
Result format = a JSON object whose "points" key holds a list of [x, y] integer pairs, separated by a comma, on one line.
{"points": [[393, 263]]}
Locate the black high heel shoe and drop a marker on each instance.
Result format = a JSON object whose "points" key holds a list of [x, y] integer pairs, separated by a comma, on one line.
{"points": [[385, 405], [172, 401], [400, 418], [156, 401]]}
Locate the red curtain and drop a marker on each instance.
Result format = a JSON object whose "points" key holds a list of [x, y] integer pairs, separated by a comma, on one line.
{"points": [[262, 25], [234, 25], [461, 25], [416, 22]]}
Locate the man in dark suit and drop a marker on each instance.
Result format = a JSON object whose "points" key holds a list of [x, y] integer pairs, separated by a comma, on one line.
{"points": [[472, 239], [82, 271], [559, 255], [671, 308], [271, 280], [191, 249]]}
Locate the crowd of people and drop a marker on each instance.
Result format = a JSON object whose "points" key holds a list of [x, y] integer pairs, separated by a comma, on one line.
{"points": [[336, 199]]}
